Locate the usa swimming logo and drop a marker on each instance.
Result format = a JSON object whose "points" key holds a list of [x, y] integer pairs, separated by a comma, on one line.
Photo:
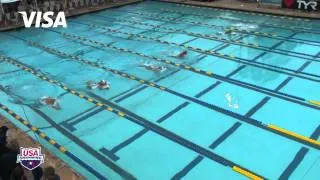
{"points": [[30, 158]]}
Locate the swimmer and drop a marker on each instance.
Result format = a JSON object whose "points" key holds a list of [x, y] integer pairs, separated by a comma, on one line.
{"points": [[49, 101], [181, 54], [103, 84], [229, 33], [154, 68], [5, 88]]}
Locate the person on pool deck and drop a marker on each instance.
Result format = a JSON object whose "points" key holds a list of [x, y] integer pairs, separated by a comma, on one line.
{"points": [[154, 68], [49, 101], [103, 84]]}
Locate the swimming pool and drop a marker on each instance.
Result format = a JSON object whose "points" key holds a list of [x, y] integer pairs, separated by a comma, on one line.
{"points": [[242, 103]]}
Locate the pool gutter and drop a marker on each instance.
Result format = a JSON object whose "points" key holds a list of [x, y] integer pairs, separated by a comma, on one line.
{"points": [[248, 7], [78, 12]]}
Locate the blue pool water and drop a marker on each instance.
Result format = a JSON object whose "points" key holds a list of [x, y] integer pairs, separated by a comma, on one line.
{"points": [[179, 123]]}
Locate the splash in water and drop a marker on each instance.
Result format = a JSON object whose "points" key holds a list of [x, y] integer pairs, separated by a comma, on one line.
{"points": [[229, 99]]}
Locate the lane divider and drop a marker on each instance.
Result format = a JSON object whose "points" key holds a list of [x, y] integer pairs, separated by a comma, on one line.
{"points": [[225, 40], [316, 103], [281, 95], [293, 134], [246, 173], [246, 12], [250, 121], [53, 142], [229, 57], [147, 124]]}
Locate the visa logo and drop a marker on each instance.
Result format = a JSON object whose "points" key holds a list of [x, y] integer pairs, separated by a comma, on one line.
{"points": [[44, 20]]}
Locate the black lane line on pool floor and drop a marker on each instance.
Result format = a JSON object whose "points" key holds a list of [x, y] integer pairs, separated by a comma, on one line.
{"points": [[298, 158], [294, 163], [67, 123], [260, 65], [120, 111], [125, 143], [168, 115], [70, 126], [198, 159], [187, 168], [264, 48], [256, 123]]}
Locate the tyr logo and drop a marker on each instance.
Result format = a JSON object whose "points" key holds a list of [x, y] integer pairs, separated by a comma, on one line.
{"points": [[312, 4]]}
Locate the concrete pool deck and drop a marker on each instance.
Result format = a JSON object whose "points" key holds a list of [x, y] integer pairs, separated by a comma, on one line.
{"points": [[250, 7]]}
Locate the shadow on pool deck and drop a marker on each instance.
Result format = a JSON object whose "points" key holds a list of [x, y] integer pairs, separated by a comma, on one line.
{"points": [[251, 7]]}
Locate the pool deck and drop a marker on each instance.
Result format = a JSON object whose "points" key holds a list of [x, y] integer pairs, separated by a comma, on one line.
{"points": [[63, 170], [77, 12], [249, 6]]}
